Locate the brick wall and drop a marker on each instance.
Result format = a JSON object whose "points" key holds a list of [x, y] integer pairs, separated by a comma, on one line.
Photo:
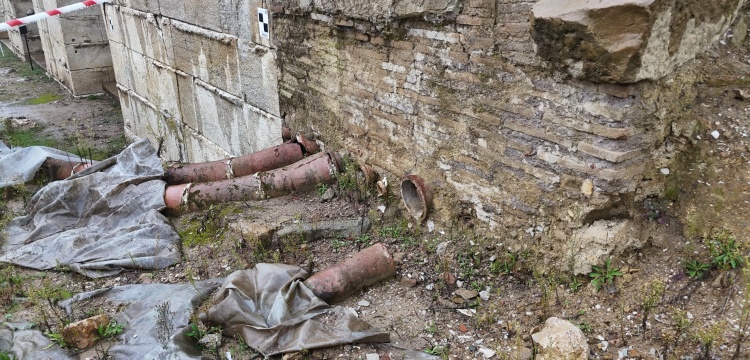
{"points": [[463, 100]]}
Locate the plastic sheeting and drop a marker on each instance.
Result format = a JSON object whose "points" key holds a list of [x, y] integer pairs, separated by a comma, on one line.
{"points": [[19, 165], [98, 222], [274, 312], [138, 313]]}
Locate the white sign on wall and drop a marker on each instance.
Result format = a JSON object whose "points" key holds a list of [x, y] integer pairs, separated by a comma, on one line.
{"points": [[264, 23]]}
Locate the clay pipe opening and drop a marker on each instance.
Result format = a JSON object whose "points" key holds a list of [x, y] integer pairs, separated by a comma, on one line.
{"points": [[367, 267], [417, 196]]}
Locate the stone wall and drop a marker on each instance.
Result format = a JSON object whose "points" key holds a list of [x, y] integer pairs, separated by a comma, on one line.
{"points": [[195, 77], [14, 9], [458, 94], [76, 47]]}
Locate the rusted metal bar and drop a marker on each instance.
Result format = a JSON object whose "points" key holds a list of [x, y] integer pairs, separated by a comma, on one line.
{"points": [[263, 160], [367, 267]]}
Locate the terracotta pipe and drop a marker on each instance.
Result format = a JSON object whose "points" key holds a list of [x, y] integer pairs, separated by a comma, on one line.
{"points": [[320, 168], [367, 267], [62, 169], [417, 196], [286, 134], [300, 176], [263, 160], [311, 147]]}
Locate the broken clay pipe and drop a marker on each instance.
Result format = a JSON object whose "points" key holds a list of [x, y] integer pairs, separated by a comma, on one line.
{"points": [[417, 196], [367, 267], [303, 175], [62, 169], [264, 160]]}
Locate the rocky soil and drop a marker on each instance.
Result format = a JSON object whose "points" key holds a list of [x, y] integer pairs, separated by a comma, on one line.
{"points": [[458, 295]]}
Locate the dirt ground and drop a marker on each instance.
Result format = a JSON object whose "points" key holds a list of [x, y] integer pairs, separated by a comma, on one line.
{"points": [[505, 298]]}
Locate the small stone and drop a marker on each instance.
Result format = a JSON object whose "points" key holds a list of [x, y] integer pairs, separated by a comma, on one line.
{"points": [[664, 171], [484, 295], [472, 348], [715, 134], [430, 287], [442, 247], [364, 303], [487, 353], [448, 278], [145, 278], [210, 341], [458, 300], [83, 334], [587, 188], [372, 357], [430, 226], [467, 294], [408, 282], [462, 328], [328, 195], [633, 353]]}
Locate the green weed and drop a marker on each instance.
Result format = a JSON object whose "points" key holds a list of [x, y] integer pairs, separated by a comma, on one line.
{"points": [[725, 252], [109, 330], [696, 269], [604, 274]]}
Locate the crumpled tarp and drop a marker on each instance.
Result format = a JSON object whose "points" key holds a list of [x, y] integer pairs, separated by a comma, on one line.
{"points": [[98, 222], [274, 312], [138, 313], [19, 165]]}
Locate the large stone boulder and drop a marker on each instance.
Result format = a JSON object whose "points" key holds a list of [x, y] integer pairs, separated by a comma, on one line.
{"points": [[625, 41], [560, 340]]}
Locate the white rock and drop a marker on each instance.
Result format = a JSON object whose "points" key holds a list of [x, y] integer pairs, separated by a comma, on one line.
{"points": [[665, 171], [487, 353], [364, 303], [484, 295], [430, 287], [430, 226], [442, 247], [560, 339], [715, 134], [381, 208], [467, 312], [372, 357]]}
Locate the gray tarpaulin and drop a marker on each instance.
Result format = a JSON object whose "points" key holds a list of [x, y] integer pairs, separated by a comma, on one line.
{"points": [[274, 312], [19, 165], [137, 306], [98, 222]]}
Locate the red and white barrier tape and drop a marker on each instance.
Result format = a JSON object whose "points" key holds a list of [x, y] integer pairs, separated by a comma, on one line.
{"points": [[49, 13]]}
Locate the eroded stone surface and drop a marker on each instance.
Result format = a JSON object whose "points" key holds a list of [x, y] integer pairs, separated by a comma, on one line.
{"points": [[592, 245], [618, 41], [377, 9], [82, 334]]}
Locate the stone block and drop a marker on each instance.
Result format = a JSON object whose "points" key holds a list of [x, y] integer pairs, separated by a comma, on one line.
{"points": [[89, 81], [619, 41], [210, 56], [143, 33], [260, 77], [87, 56]]}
